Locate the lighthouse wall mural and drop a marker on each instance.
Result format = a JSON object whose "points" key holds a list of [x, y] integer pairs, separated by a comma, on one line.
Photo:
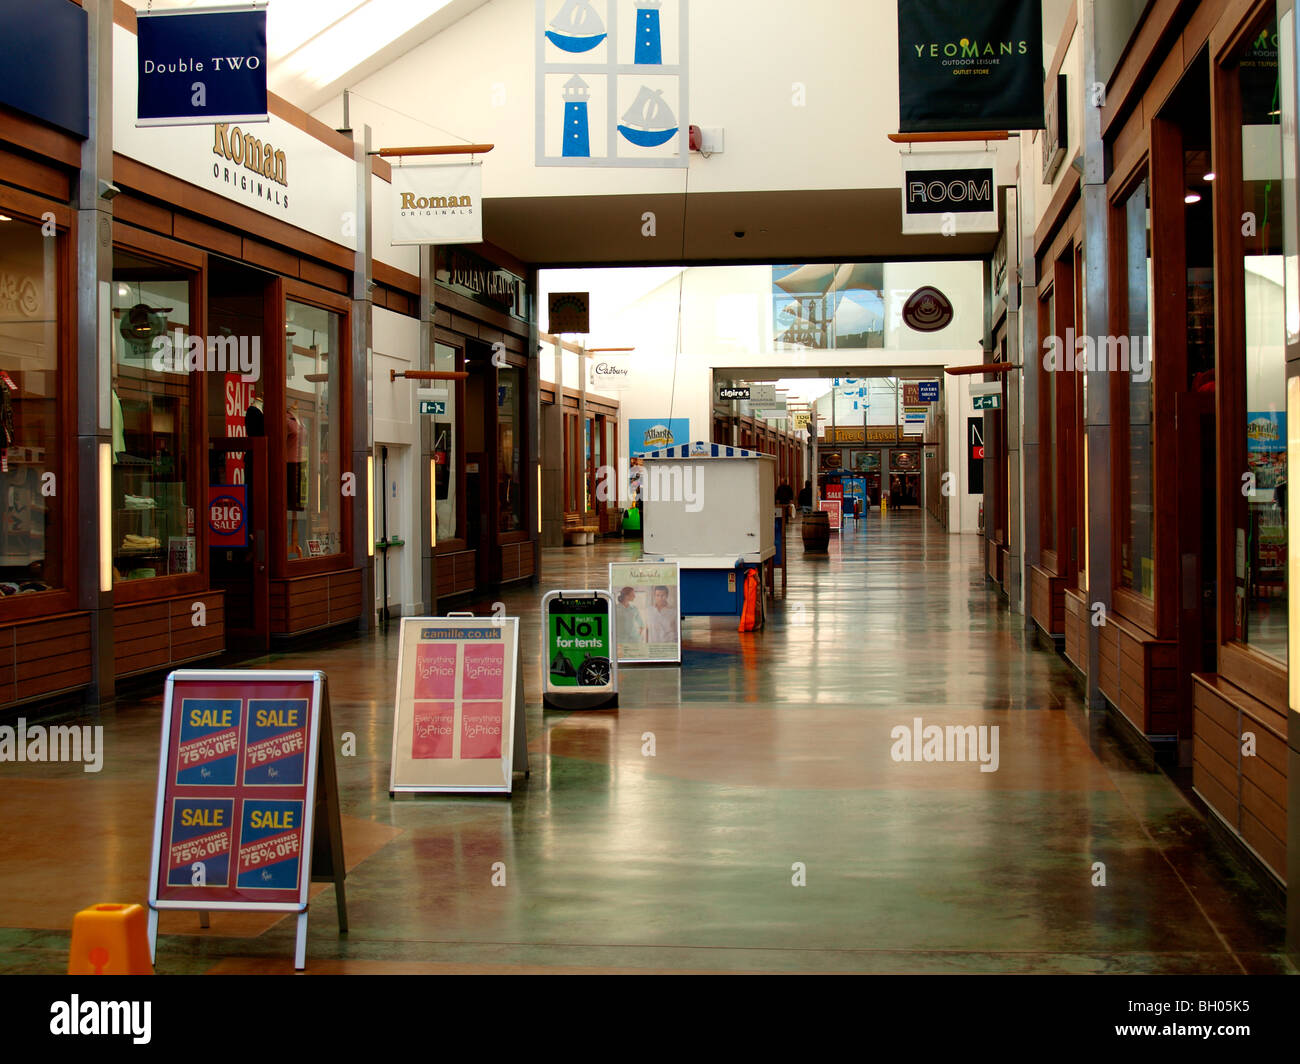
{"points": [[611, 82]]}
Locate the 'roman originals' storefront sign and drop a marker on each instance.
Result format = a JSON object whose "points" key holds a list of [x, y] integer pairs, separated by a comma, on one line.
{"points": [[273, 166], [201, 67], [949, 193], [964, 66], [438, 204]]}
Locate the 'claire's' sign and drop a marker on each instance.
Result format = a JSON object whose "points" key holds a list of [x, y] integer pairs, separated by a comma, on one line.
{"points": [[197, 67]]}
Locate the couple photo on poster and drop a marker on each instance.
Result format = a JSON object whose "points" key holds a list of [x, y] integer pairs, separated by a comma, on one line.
{"points": [[647, 611]]}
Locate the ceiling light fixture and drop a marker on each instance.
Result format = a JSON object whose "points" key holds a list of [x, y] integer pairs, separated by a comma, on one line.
{"points": [[1210, 176], [1192, 197]]}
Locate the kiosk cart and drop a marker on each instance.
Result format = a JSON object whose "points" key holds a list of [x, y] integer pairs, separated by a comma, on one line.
{"points": [[711, 509]]}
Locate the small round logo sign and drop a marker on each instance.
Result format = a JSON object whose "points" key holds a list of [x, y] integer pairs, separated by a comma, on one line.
{"points": [[927, 310], [225, 515]]}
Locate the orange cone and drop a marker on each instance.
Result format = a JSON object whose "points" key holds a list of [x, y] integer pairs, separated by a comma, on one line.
{"points": [[110, 940]]}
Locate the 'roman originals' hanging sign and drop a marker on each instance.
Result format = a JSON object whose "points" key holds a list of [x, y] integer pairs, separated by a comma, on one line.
{"points": [[964, 66], [197, 68], [438, 204], [949, 193]]}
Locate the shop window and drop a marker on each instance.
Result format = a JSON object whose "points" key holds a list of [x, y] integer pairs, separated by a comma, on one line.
{"points": [[157, 371], [1080, 430], [1135, 468], [31, 451], [1048, 438], [510, 439], [445, 455], [312, 427], [1260, 515]]}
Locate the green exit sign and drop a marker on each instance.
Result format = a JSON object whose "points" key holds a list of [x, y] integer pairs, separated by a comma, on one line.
{"points": [[987, 402], [433, 406]]}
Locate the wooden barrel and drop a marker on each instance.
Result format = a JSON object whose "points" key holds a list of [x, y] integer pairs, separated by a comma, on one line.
{"points": [[816, 530]]}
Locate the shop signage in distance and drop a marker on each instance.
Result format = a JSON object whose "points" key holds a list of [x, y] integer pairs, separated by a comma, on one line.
{"points": [[609, 376], [246, 766], [763, 394], [432, 406], [928, 391], [581, 666], [569, 312], [802, 419], [201, 67], [480, 280], [735, 392]]}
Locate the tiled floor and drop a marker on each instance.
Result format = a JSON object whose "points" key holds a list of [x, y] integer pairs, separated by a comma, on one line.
{"points": [[772, 748]]}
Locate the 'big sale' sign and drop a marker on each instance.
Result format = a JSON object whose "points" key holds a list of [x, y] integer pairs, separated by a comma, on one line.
{"points": [[227, 515]]}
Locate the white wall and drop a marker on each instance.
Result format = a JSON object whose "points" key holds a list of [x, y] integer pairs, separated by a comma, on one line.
{"points": [[474, 82], [396, 342]]}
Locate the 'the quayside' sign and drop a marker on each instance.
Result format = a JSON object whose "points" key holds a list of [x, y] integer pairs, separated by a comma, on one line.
{"points": [[964, 66]]}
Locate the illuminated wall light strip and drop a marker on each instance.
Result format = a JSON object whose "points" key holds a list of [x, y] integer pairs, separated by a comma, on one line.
{"points": [[1293, 546], [370, 505], [539, 498], [433, 502], [105, 517]]}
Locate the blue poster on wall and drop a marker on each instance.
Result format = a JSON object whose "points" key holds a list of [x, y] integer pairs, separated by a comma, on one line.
{"points": [[1266, 447], [198, 68], [651, 434]]}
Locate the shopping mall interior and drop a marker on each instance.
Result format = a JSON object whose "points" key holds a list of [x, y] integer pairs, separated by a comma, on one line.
{"points": [[626, 486]]}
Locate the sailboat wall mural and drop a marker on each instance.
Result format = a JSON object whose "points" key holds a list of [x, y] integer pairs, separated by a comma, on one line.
{"points": [[577, 27], [611, 80]]}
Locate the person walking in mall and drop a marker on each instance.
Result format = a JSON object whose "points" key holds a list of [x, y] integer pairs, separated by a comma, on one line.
{"points": [[805, 496], [784, 497]]}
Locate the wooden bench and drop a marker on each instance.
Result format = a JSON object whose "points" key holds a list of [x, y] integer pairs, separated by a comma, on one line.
{"points": [[579, 529]]}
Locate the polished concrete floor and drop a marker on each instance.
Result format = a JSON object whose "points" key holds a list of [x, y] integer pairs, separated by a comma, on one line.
{"points": [[772, 754]]}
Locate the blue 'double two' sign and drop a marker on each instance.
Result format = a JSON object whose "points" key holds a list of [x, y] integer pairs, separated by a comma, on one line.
{"points": [[198, 68]]}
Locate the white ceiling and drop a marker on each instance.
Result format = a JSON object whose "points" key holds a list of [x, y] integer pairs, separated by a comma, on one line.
{"points": [[316, 48]]}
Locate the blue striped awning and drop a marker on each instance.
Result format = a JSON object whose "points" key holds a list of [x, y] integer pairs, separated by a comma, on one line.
{"points": [[701, 449]]}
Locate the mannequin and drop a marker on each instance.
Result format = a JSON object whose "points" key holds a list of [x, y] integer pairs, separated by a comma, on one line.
{"points": [[293, 474], [255, 418]]}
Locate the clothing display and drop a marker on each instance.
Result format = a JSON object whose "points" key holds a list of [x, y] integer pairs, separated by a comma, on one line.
{"points": [[293, 463], [255, 419]]}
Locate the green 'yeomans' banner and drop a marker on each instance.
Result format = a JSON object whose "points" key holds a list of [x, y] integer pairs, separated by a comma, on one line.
{"points": [[969, 66]]}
